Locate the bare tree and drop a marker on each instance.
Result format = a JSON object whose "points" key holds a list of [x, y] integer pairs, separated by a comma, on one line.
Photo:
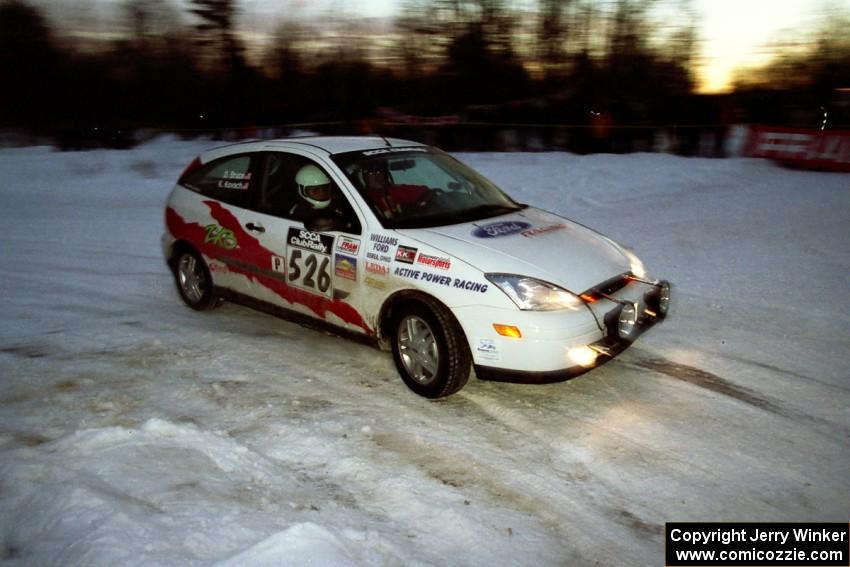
{"points": [[217, 28]]}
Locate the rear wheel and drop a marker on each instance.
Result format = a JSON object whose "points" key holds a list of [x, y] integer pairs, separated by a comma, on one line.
{"points": [[193, 281], [430, 350]]}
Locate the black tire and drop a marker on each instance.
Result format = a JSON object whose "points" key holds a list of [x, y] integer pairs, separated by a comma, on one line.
{"points": [[194, 283], [429, 349]]}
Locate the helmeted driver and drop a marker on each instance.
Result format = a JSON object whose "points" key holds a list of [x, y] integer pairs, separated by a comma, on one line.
{"points": [[318, 193], [387, 197], [314, 187]]}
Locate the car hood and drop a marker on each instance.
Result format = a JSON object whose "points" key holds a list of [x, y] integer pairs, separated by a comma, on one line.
{"points": [[532, 243]]}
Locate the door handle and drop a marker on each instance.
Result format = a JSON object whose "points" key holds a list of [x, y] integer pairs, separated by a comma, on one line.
{"points": [[255, 227]]}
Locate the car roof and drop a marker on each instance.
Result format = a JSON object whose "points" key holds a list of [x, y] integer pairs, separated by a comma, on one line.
{"points": [[330, 144], [341, 144]]}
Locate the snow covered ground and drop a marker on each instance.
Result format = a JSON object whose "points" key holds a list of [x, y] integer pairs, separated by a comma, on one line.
{"points": [[136, 431]]}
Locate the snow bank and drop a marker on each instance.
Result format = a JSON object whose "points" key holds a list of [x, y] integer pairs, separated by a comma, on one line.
{"points": [[134, 430]]}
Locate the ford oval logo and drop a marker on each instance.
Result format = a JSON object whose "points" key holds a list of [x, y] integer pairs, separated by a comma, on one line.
{"points": [[502, 228]]}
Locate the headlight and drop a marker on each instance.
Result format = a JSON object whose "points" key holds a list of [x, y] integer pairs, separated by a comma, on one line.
{"points": [[635, 265], [530, 294]]}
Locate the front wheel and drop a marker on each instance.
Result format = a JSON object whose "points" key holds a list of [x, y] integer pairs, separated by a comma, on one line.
{"points": [[430, 350], [193, 281]]}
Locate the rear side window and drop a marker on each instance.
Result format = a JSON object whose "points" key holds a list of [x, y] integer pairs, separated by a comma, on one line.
{"points": [[229, 179]]}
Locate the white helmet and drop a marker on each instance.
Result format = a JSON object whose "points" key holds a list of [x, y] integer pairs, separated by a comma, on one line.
{"points": [[314, 186]]}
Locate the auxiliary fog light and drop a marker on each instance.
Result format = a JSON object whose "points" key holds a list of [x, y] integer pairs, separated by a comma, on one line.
{"points": [[627, 320], [663, 297], [583, 356]]}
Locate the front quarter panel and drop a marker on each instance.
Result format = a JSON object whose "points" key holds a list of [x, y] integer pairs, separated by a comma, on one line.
{"points": [[396, 261]]}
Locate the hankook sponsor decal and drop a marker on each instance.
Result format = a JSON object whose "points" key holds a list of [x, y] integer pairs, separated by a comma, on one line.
{"points": [[501, 228]]}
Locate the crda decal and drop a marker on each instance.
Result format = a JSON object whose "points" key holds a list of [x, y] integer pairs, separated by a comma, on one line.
{"points": [[434, 262], [502, 228], [538, 230], [345, 267], [405, 254], [376, 274], [348, 245], [377, 269], [220, 236]]}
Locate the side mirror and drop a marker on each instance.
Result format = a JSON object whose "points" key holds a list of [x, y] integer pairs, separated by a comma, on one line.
{"points": [[322, 221]]}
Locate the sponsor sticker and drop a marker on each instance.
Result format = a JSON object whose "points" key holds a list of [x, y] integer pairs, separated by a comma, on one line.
{"points": [[440, 279], [379, 257], [381, 243], [538, 230], [220, 236], [378, 283], [488, 350], [434, 261], [377, 269], [348, 245], [405, 254], [501, 228], [313, 241], [345, 267]]}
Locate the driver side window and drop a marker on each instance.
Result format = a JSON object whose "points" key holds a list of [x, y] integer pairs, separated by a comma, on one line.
{"points": [[282, 195]]}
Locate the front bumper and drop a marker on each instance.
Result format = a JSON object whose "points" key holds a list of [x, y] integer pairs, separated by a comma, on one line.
{"points": [[599, 347]]}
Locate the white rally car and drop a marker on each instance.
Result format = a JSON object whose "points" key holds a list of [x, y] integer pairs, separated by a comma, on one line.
{"points": [[401, 243]]}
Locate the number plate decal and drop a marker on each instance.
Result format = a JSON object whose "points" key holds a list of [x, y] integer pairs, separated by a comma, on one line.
{"points": [[308, 261]]}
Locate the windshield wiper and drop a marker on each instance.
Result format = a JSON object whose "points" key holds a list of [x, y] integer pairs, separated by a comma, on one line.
{"points": [[477, 212], [489, 210]]}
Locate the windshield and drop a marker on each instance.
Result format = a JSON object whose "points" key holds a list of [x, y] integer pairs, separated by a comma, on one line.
{"points": [[421, 187]]}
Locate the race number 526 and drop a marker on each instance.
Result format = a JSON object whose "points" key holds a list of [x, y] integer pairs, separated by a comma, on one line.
{"points": [[309, 271]]}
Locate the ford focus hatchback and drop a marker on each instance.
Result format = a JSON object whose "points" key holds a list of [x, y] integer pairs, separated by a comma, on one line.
{"points": [[402, 244]]}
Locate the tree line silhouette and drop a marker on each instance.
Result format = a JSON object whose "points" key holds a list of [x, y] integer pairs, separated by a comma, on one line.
{"points": [[578, 74]]}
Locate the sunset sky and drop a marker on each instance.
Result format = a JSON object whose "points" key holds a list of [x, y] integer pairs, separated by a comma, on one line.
{"points": [[733, 33]]}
